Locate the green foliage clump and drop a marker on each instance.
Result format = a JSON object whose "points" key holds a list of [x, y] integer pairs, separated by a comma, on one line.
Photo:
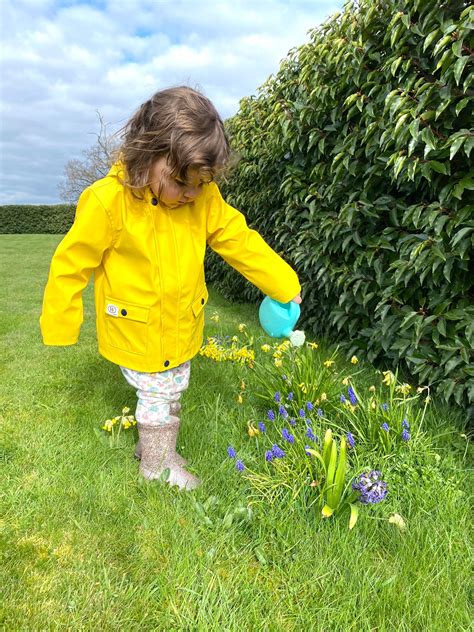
{"points": [[355, 163], [36, 218]]}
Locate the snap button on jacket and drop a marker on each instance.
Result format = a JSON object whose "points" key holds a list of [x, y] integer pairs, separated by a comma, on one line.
{"points": [[148, 265]]}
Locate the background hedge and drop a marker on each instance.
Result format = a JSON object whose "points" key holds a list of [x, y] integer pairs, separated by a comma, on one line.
{"points": [[52, 219], [356, 164]]}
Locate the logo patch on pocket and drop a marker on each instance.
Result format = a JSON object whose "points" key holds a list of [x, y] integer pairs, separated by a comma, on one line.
{"points": [[112, 309]]}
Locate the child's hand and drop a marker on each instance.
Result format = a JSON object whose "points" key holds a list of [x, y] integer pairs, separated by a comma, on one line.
{"points": [[297, 299]]}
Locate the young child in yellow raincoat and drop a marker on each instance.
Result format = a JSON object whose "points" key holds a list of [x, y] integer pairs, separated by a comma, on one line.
{"points": [[142, 230]]}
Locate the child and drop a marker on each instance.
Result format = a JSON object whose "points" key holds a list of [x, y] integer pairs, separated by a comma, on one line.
{"points": [[143, 231]]}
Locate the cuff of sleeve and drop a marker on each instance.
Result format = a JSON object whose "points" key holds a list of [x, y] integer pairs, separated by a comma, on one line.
{"points": [[59, 341]]}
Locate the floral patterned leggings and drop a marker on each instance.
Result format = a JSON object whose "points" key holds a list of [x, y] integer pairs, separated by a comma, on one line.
{"points": [[157, 391]]}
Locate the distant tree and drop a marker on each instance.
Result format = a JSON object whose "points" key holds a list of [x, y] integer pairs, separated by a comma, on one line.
{"points": [[79, 174]]}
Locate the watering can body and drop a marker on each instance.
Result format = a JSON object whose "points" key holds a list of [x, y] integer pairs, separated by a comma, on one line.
{"points": [[278, 319]]}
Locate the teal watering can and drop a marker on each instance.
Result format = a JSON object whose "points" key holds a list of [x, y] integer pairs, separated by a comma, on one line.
{"points": [[278, 319]]}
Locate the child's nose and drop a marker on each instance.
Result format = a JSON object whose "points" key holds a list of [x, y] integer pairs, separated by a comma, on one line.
{"points": [[191, 192]]}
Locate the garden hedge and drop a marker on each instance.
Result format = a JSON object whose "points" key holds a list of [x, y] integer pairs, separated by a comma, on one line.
{"points": [[355, 163], [52, 219]]}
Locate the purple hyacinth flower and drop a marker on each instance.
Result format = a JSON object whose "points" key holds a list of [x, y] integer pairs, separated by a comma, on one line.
{"points": [[284, 378], [343, 399], [306, 448], [350, 440], [310, 434], [319, 412], [231, 452], [405, 424], [286, 434], [301, 412], [352, 396], [309, 406], [289, 397], [276, 397], [371, 487], [271, 415], [240, 466], [278, 453], [262, 427], [385, 427], [385, 407], [283, 412], [269, 456], [292, 421], [405, 435]]}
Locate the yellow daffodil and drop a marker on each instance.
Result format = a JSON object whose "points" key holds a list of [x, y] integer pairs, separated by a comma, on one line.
{"points": [[278, 362], [239, 399], [372, 388], [252, 431], [323, 397], [242, 385], [125, 410], [302, 387], [404, 389], [354, 360], [215, 317], [373, 405], [313, 345], [265, 348], [345, 381], [242, 327], [328, 363], [235, 339], [388, 378]]}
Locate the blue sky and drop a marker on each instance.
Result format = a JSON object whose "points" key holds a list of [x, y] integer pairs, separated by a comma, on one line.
{"points": [[64, 60]]}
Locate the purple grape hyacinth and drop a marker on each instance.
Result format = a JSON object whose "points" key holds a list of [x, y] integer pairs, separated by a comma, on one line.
{"points": [[286, 434], [231, 452], [271, 415], [240, 466], [278, 453], [350, 440], [276, 397], [262, 427], [405, 435], [352, 396], [371, 487]]}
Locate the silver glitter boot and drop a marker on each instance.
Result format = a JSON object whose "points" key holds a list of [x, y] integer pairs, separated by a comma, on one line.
{"points": [[174, 410], [158, 445]]}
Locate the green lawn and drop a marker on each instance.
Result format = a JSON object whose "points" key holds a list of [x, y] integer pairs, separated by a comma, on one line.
{"points": [[86, 545]]}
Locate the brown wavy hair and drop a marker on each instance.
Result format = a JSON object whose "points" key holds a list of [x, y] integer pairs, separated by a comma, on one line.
{"points": [[180, 124]]}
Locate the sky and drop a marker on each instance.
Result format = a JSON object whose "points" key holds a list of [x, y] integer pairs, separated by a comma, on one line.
{"points": [[62, 61]]}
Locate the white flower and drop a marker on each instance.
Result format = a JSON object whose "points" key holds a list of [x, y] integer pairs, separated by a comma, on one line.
{"points": [[297, 338]]}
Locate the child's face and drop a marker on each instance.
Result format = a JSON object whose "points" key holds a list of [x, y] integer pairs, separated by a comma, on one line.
{"points": [[171, 191]]}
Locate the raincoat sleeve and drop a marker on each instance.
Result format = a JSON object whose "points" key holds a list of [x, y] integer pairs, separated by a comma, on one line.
{"points": [[78, 254], [246, 251]]}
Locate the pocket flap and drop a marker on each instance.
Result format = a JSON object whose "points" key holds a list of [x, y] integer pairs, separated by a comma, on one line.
{"points": [[130, 311], [199, 303]]}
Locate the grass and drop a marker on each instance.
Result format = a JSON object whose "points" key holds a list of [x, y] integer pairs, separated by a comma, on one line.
{"points": [[87, 545]]}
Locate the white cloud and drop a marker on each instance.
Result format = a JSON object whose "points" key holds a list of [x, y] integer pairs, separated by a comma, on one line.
{"points": [[65, 60]]}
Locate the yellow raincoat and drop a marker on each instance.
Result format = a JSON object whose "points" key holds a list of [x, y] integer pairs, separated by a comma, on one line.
{"points": [[148, 264]]}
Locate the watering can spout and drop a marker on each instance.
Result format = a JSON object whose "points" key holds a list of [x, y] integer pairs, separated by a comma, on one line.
{"points": [[278, 319]]}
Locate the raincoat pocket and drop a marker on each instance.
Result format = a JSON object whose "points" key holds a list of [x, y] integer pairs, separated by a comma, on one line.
{"points": [[199, 303], [126, 325]]}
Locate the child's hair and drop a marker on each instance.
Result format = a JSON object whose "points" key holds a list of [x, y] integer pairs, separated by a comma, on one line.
{"points": [[180, 124]]}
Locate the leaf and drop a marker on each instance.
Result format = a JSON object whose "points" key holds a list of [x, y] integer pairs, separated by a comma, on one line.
{"points": [[459, 67], [455, 146], [165, 474], [354, 515]]}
